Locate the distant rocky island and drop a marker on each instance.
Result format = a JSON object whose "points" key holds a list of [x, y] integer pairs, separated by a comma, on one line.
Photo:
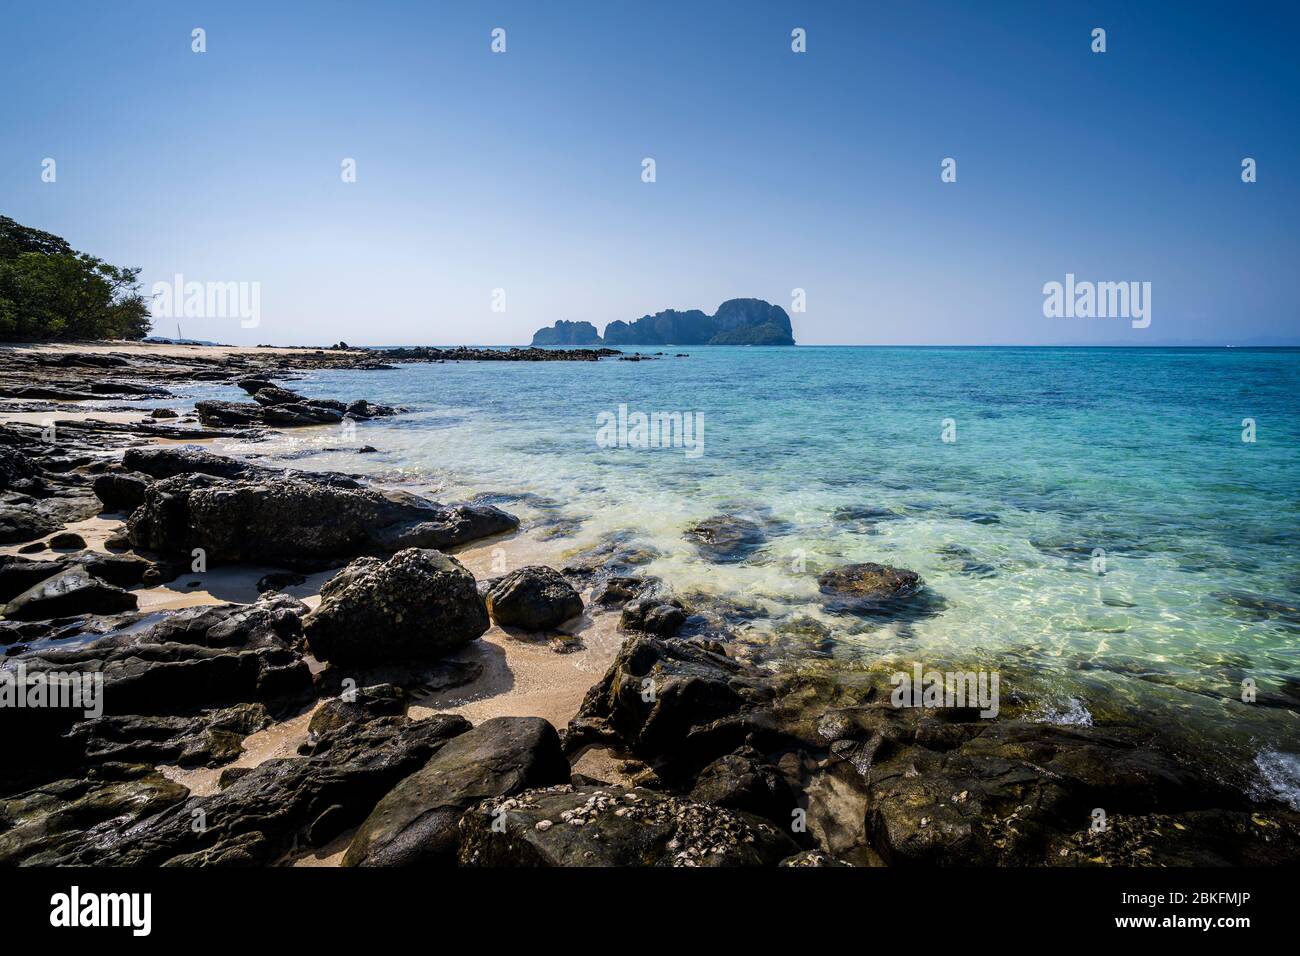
{"points": [[737, 322]]}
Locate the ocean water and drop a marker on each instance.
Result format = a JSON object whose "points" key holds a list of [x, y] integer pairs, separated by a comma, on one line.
{"points": [[1098, 531]]}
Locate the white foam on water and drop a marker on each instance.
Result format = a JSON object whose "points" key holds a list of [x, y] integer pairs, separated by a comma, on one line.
{"points": [[1073, 713], [1281, 776]]}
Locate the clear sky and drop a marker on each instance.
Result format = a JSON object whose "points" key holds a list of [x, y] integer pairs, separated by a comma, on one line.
{"points": [[775, 170]]}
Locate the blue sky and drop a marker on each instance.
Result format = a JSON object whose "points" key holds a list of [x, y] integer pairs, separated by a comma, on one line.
{"points": [[775, 170]]}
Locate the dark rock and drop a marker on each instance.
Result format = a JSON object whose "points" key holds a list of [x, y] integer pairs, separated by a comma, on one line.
{"points": [[270, 811], [296, 414], [535, 598], [745, 781], [677, 705], [274, 395], [162, 413], [205, 740], [72, 591], [363, 409], [420, 604], [42, 825], [278, 581], [365, 703], [229, 413], [615, 826], [298, 523], [67, 541], [120, 491], [417, 822], [654, 614], [869, 589], [726, 539]]}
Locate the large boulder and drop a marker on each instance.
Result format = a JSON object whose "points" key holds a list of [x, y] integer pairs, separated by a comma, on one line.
{"points": [[677, 705], [615, 826], [535, 598], [295, 522], [71, 591], [420, 604], [416, 824]]}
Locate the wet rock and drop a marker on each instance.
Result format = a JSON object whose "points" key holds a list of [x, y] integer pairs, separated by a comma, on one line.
{"points": [[725, 539], [67, 541], [363, 409], [298, 523], [868, 589], [420, 604], [654, 614], [71, 591], [120, 491], [416, 824], [615, 826], [42, 825], [535, 598], [619, 589], [162, 413]]}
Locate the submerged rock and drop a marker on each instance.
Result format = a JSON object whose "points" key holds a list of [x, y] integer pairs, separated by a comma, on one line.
{"points": [[535, 598], [416, 824], [726, 539], [420, 604], [868, 589]]}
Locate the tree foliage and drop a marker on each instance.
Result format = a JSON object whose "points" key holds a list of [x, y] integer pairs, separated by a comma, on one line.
{"points": [[48, 290]]}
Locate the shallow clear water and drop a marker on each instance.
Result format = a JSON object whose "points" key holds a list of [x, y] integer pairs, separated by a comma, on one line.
{"points": [[1058, 452]]}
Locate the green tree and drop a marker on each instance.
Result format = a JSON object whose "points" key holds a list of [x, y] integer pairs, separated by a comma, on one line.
{"points": [[48, 290]]}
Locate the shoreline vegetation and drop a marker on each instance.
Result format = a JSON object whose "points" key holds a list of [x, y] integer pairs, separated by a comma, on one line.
{"points": [[313, 668]]}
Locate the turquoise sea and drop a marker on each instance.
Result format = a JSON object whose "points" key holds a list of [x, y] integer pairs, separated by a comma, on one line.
{"points": [[1098, 532]]}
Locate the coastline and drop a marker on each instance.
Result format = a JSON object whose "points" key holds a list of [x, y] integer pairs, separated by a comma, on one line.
{"points": [[517, 676]]}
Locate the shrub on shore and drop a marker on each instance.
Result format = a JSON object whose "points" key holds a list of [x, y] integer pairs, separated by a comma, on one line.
{"points": [[48, 290]]}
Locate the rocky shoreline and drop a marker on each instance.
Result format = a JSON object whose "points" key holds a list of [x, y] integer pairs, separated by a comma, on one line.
{"points": [[681, 754]]}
